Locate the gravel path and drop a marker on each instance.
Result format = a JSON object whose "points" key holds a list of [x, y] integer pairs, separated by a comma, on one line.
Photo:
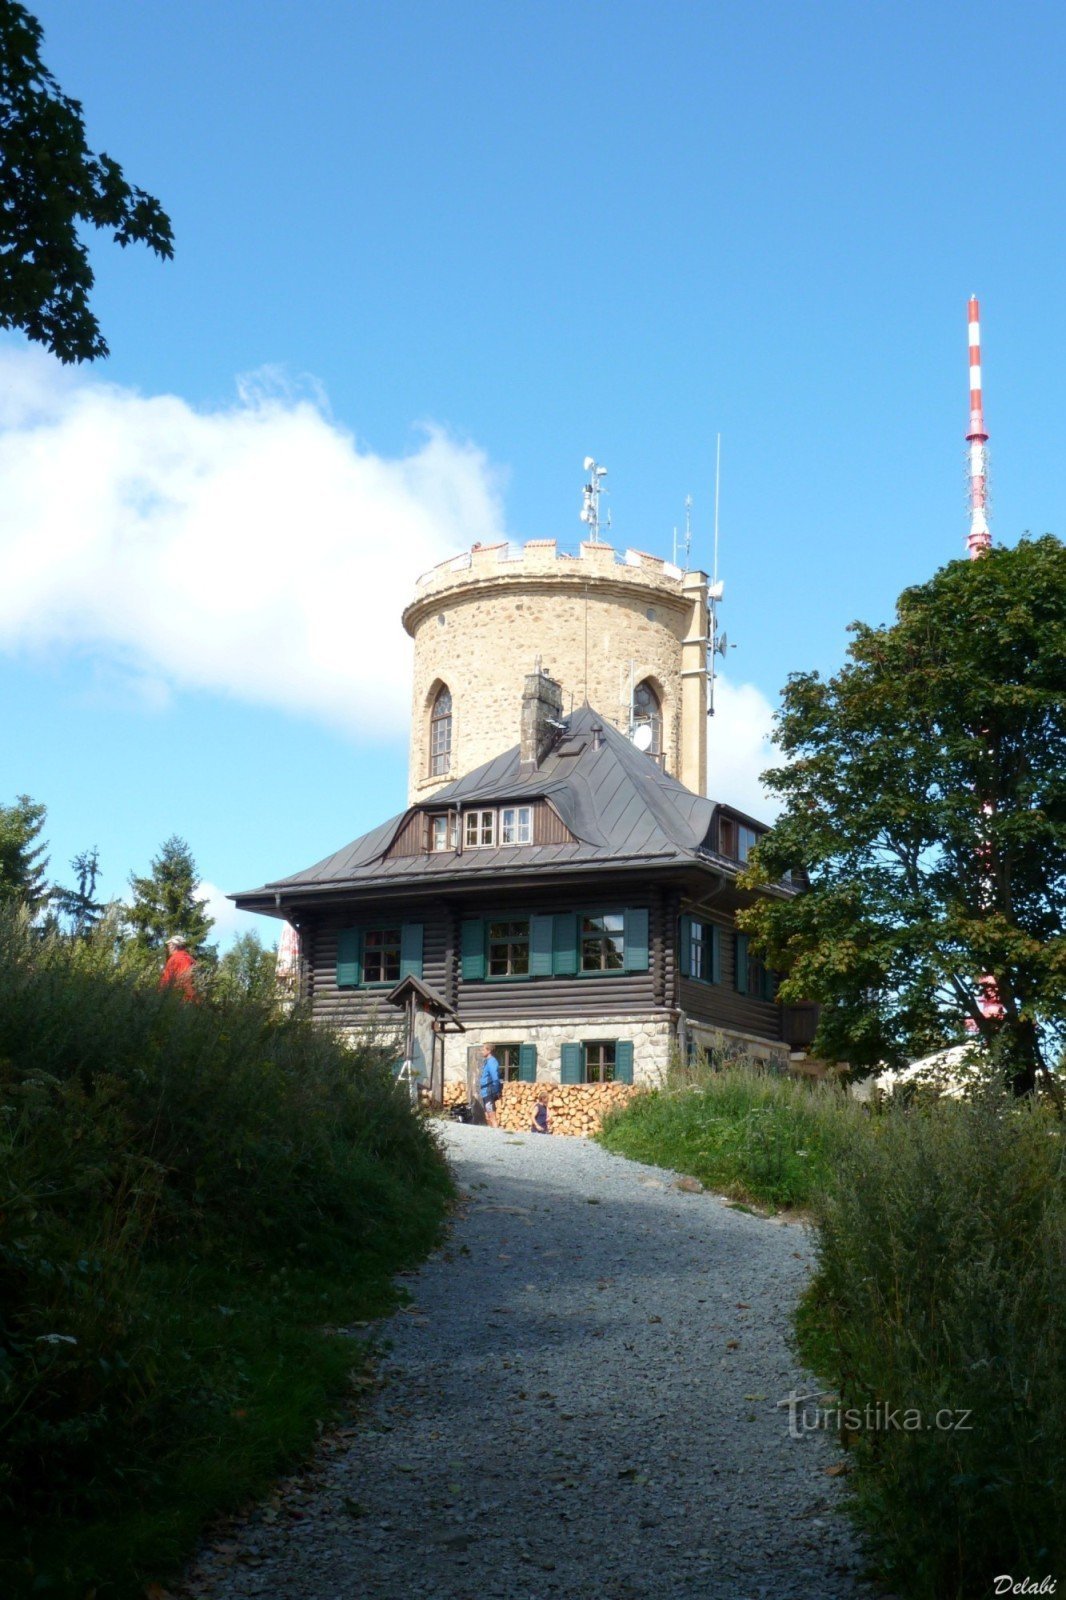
{"points": [[580, 1401]]}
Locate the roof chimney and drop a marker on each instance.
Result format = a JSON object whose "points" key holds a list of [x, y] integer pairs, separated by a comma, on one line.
{"points": [[542, 713]]}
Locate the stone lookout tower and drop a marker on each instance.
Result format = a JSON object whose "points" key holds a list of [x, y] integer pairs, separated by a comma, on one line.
{"points": [[624, 631]]}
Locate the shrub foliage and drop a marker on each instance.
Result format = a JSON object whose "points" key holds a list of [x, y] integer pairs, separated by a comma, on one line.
{"points": [[186, 1192]]}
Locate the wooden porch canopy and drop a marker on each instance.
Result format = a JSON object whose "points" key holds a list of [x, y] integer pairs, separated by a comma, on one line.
{"points": [[418, 999]]}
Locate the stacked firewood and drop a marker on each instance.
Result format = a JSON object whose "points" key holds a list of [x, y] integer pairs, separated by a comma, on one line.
{"points": [[574, 1109]]}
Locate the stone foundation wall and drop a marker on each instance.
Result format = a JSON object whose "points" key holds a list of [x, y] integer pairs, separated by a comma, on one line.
{"points": [[652, 1035], [769, 1052]]}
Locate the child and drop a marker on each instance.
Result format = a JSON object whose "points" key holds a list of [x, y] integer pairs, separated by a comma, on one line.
{"points": [[540, 1113]]}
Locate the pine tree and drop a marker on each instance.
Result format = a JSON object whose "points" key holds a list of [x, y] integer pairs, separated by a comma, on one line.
{"points": [[22, 859], [80, 905], [165, 902]]}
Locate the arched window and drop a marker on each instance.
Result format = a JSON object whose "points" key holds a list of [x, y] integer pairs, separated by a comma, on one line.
{"points": [[647, 712], [440, 733]]}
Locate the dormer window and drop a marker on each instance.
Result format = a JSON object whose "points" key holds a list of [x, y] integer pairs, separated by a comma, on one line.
{"points": [[516, 825], [440, 733], [479, 829], [441, 836], [735, 839]]}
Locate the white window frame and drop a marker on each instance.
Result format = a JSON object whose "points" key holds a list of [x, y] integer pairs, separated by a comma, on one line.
{"points": [[441, 837], [479, 830], [516, 825]]}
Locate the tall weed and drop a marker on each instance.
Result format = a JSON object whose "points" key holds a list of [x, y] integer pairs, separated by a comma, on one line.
{"points": [[750, 1134], [942, 1290]]}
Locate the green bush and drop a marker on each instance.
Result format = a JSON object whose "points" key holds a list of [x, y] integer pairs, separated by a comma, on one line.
{"points": [[942, 1289], [187, 1194]]}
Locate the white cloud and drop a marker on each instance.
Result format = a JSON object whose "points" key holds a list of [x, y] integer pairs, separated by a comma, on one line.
{"points": [[740, 748], [255, 550], [229, 922]]}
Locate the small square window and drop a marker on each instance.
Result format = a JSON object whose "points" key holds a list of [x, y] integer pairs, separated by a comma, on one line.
{"points": [[603, 942], [507, 1056], [600, 1061], [381, 955], [509, 949], [480, 829], [516, 825]]}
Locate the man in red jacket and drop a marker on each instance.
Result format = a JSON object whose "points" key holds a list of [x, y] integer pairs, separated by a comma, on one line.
{"points": [[178, 972]]}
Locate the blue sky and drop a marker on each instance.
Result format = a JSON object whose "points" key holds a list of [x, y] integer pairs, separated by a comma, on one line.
{"points": [[459, 246]]}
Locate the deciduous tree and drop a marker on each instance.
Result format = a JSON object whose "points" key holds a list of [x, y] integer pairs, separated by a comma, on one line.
{"points": [[925, 795], [50, 181]]}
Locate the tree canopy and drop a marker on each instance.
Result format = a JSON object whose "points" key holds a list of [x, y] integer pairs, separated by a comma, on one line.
{"points": [[165, 902], [925, 798], [50, 181]]}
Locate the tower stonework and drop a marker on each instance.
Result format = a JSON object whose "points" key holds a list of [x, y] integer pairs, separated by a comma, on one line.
{"points": [[603, 624]]}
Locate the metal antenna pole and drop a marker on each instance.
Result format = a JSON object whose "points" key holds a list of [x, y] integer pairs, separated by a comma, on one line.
{"points": [[717, 490]]}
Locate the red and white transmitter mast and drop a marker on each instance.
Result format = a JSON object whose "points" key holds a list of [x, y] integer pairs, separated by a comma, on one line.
{"points": [[980, 539], [978, 543]]}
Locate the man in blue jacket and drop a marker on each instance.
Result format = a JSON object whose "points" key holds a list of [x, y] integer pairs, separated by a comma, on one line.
{"points": [[490, 1087]]}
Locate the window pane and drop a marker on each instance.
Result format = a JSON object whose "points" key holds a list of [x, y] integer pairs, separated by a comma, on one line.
{"points": [[487, 830], [509, 949], [698, 951], [440, 833], [507, 825], [381, 955], [525, 825]]}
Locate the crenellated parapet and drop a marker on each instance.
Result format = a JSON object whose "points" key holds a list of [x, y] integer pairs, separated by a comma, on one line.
{"points": [[612, 626]]}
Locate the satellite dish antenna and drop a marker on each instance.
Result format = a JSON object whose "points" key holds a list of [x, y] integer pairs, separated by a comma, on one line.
{"points": [[642, 736], [589, 463], [722, 644]]}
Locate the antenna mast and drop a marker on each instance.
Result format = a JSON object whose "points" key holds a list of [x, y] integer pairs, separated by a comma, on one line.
{"points": [[979, 539], [590, 503], [715, 646]]}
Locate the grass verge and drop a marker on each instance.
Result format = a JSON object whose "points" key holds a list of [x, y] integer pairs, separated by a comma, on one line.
{"points": [[190, 1198], [746, 1134]]}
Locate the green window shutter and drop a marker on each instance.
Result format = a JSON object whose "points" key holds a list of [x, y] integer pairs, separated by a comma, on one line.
{"points": [[572, 1066], [684, 947], [742, 963], [540, 946], [564, 947], [411, 950], [527, 1063], [623, 1061], [349, 966], [473, 950], [636, 940], [716, 953]]}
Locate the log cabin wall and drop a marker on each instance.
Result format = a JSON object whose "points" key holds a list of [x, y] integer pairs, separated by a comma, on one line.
{"points": [[720, 1003], [354, 1007], [661, 987], [441, 920]]}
